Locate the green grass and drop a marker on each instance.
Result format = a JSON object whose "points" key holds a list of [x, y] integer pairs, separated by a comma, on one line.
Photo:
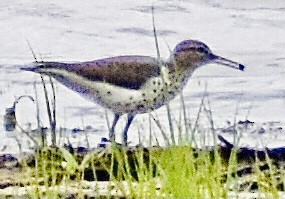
{"points": [[187, 176], [173, 172]]}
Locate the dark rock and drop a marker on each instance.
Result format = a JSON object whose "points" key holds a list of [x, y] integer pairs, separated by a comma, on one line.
{"points": [[8, 161]]}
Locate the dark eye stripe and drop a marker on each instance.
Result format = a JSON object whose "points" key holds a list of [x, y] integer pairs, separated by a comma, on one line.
{"points": [[199, 49]]}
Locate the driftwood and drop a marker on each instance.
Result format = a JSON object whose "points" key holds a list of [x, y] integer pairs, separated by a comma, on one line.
{"points": [[277, 155]]}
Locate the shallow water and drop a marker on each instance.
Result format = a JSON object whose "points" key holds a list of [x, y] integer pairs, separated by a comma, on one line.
{"points": [[251, 33]]}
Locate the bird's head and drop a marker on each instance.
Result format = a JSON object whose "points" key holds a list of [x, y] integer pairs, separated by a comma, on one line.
{"points": [[190, 54]]}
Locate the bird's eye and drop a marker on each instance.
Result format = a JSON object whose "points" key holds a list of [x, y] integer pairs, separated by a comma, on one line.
{"points": [[201, 50]]}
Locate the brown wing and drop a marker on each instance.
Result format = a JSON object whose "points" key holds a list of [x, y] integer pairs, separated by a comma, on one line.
{"points": [[125, 71]]}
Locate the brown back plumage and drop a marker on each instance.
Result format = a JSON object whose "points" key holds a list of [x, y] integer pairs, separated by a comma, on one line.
{"points": [[125, 71]]}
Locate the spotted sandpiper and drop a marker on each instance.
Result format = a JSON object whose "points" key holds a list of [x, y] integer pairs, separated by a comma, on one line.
{"points": [[133, 84]]}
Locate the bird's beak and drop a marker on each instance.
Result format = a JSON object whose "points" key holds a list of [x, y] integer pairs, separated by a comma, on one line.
{"points": [[226, 62]]}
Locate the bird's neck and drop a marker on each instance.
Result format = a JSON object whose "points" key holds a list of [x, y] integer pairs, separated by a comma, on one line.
{"points": [[174, 75]]}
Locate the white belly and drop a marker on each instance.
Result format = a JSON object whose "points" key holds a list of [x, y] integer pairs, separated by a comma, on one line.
{"points": [[152, 95]]}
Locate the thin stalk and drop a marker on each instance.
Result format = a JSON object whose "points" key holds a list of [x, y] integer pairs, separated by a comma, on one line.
{"points": [[43, 135], [150, 129], [32, 51], [248, 112], [160, 64], [166, 141], [179, 126], [47, 103], [170, 124], [202, 104], [156, 140], [236, 136], [85, 133], [52, 117], [18, 143], [210, 117], [107, 120], [53, 124], [154, 33], [27, 134], [139, 134], [197, 122], [187, 126]]}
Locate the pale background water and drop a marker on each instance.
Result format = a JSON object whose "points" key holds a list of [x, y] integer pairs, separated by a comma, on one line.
{"points": [[250, 32]]}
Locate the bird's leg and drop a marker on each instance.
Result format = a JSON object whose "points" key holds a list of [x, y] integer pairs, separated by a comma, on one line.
{"points": [[125, 132], [112, 129]]}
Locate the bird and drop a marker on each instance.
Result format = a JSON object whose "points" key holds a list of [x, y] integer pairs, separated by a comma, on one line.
{"points": [[132, 84]]}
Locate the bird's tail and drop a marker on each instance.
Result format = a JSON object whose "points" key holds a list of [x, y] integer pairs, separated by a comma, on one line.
{"points": [[33, 67], [39, 67]]}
